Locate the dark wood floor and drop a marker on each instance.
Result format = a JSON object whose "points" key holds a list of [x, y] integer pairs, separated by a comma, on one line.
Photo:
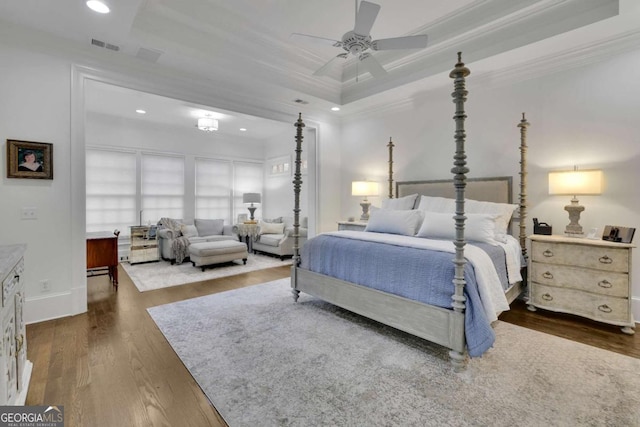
{"points": [[112, 367]]}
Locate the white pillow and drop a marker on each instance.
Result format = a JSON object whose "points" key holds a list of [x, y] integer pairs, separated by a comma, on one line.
{"points": [[271, 227], [502, 211], [478, 227], [189, 230], [402, 203], [437, 204], [404, 222]]}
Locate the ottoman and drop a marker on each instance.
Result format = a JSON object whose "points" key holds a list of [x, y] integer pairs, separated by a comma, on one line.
{"points": [[209, 253]]}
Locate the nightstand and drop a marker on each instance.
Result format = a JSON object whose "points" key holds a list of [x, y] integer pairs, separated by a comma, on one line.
{"points": [[589, 278], [352, 225], [144, 244]]}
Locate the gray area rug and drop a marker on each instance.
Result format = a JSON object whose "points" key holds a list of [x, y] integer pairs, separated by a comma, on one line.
{"points": [[263, 360], [157, 275]]}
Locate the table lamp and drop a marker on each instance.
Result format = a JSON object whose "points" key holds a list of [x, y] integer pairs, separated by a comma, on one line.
{"points": [[575, 183], [251, 198], [365, 188]]}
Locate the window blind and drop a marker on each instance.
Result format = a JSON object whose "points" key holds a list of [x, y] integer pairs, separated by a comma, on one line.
{"points": [[162, 187], [213, 189]]}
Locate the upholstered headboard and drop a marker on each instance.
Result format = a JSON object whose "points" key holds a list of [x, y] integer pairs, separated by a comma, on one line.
{"points": [[493, 189]]}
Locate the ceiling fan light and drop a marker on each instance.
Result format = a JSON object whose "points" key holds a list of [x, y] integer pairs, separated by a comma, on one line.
{"points": [[98, 6], [207, 124]]}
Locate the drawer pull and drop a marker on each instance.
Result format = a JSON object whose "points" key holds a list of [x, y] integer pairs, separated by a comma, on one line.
{"points": [[548, 253], [547, 297], [605, 259], [605, 284], [547, 275], [605, 308]]}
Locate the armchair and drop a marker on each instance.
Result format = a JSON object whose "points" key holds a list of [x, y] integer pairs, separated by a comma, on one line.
{"points": [[276, 237]]}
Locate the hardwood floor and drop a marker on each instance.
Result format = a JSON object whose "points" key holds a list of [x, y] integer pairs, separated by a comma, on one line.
{"points": [[112, 366]]}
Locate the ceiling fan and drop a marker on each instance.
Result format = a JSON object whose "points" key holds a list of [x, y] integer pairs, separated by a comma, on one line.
{"points": [[358, 41]]}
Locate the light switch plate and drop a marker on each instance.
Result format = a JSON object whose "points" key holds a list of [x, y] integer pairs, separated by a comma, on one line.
{"points": [[28, 213]]}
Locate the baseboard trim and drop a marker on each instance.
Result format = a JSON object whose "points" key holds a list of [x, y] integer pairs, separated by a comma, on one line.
{"points": [[49, 307]]}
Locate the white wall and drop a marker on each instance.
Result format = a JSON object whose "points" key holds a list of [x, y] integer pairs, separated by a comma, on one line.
{"points": [[586, 117], [36, 107]]}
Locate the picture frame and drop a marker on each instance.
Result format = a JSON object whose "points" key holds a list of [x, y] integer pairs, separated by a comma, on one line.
{"points": [[616, 233], [30, 160], [242, 218], [279, 166]]}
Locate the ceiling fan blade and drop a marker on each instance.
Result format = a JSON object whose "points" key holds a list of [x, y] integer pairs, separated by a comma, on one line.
{"points": [[305, 38], [366, 16], [409, 42], [324, 70], [372, 65]]}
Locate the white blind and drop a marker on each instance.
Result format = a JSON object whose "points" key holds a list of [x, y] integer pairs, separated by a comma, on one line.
{"points": [[213, 189], [162, 178], [247, 178], [111, 190]]}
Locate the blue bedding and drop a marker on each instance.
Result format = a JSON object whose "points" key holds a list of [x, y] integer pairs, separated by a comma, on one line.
{"points": [[418, 274]]}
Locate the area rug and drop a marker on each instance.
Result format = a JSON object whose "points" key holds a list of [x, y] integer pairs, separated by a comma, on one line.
{"points": [[264, 360], [157, 275]]}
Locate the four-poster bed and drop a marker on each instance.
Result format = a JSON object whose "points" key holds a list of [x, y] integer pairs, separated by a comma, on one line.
{"points": [[384, 277]]}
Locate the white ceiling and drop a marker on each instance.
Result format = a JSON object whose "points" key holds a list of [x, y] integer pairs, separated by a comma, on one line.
{"points": [[243, 46]]}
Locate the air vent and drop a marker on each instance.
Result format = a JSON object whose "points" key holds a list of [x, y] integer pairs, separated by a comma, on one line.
{"points": [[150, 55], [300, 101], [109, 46]]}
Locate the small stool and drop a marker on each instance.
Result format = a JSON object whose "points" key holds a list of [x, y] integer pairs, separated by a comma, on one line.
{"points": [[209, 253]]}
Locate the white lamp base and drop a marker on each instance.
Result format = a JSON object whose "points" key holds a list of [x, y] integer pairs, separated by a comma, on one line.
{"points": [[365, 211], [574, 229]]}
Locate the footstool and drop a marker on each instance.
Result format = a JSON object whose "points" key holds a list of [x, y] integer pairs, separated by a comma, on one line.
{"points": [[205, 254]]}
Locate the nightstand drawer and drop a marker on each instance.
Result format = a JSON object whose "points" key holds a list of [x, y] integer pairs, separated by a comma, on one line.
{"points": [[597, 307], [596, 281], [596, 257]]}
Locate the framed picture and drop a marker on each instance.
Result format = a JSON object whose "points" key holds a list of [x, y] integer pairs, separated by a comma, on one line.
{"points": [[279, 166], [615, 233], [26, 159], [242, 218]]}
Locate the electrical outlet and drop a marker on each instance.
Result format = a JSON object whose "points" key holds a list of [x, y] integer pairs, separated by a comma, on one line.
{"points": [[45, 285], [28, 213]]}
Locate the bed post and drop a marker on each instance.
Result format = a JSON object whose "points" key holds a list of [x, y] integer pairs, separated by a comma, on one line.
{"points": [[297, 183], [523, 184], [390, 145], [458, 74]]}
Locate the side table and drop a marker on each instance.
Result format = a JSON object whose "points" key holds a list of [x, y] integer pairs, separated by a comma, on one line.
{"points": [[352, 225], [246, 233]]}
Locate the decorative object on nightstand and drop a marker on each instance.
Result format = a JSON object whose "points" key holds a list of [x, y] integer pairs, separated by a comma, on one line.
{"points": [[251, 198], [575, 183], [589, 278], [366, 189]]}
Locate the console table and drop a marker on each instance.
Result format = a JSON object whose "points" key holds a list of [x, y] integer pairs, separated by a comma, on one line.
{"points": [[102, 255]]}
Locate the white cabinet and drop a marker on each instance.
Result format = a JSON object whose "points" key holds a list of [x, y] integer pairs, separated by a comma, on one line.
{"points": [[14, 367], [590, 278]]}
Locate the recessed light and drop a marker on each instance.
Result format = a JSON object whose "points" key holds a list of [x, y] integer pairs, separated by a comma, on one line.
{"points": [[141, 112], [335, 108], [243, 129], [98, 6]]}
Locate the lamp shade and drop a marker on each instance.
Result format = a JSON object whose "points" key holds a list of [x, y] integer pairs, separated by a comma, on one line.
{"points": [[207, 124], [365, 188], [587, 182], [251, 198]]}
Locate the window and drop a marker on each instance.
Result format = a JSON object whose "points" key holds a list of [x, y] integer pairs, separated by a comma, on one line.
{"points": [[110, 190], [247, 178], [213, 189], [162, 178]]}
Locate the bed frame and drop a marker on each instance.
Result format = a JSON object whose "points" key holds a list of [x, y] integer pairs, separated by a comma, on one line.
{"points": [[435, 324]]}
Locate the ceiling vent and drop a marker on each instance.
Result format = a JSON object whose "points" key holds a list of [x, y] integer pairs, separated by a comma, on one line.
{"points": [[102, 44], [150, 55], [300, 101]]}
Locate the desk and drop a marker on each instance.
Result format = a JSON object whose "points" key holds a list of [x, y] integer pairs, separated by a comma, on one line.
{"points": [[102, 255]]}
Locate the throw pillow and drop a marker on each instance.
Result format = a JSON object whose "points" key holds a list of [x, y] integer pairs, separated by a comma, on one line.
{"points": [[209, 227], [404, 222], [189, 230], [271, 227]]}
